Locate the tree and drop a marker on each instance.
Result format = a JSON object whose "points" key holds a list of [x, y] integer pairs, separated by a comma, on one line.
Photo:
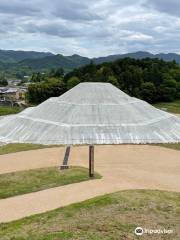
{"points": [[153, 74], [168, 89], [57, 73], [127, 78], [168, 94], [148, 92], [113, 80], [3, 81], [131, 74], [19, 75], [99, 76], [72, 82], [178, 90], [38, 77], [175, 73], [39, 92]]}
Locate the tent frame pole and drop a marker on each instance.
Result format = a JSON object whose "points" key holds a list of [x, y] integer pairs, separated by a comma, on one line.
{"points": [[91, 161]]}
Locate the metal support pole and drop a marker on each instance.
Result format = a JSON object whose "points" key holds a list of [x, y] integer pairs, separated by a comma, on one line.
{"points": [[66, 158], [91, 161]]}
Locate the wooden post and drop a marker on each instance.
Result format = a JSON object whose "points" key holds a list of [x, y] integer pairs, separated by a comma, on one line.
{"points": [[91, 161], [66, 158]]}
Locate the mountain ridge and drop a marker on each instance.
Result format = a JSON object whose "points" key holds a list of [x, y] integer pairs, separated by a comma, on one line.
{"points": [[12, 61], [13, 56], [140, 55]]}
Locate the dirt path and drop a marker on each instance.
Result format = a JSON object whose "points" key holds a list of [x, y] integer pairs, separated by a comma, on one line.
{"points": [[122, 167]]}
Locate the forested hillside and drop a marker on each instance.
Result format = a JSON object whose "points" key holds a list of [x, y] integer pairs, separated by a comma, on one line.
{"points": [[10, 56], [55, 61], [150, 79], [139, 55], [16, 64]]}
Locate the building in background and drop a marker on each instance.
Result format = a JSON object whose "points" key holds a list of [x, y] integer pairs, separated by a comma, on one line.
{"points": [[12, 96]]}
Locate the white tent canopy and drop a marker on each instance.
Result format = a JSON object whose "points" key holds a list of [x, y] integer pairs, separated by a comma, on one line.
{"points": [[91, 113]]}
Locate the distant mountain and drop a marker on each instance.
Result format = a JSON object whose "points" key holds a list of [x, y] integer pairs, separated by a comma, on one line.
{"points": [[26, 62], [139, 55], [68, 63], [55, 61], [169, 57], [10, 56]]}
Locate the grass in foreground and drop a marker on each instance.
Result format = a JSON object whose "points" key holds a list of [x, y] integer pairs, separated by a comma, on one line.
{"points": [[19, 147], [173, 107], [175, 146], [4, 110], [22, 182], [109, 217]]}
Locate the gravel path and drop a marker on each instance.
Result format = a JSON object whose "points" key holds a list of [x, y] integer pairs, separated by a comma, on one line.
{"points": [[122, 167]]}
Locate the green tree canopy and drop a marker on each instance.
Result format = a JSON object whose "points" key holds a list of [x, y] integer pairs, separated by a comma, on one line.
{"points": [[148, 91], [39, 92], [3, 81], [72, 82]]}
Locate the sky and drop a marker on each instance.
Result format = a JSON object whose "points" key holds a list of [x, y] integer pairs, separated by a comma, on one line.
{"points": [[90, 28]]}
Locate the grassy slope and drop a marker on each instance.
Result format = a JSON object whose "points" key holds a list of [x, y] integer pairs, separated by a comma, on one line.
{"points": [[19, 147], [175, 146], [173, 107], [9, 110], [38, 179], [109, 217]]}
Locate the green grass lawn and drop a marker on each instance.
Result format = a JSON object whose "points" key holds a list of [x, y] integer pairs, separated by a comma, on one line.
{"points": [[109, 217], [12, 184], [4, 110], [173, 107], [175, 146], [19, 147]]}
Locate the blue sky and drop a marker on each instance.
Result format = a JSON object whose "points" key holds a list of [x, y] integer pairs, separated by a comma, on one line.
{"points": [[90, 27]]}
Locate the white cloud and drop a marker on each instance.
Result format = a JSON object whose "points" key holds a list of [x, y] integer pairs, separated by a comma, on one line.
{"points": [[171, 7], [139, 37], [90, 28]]}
